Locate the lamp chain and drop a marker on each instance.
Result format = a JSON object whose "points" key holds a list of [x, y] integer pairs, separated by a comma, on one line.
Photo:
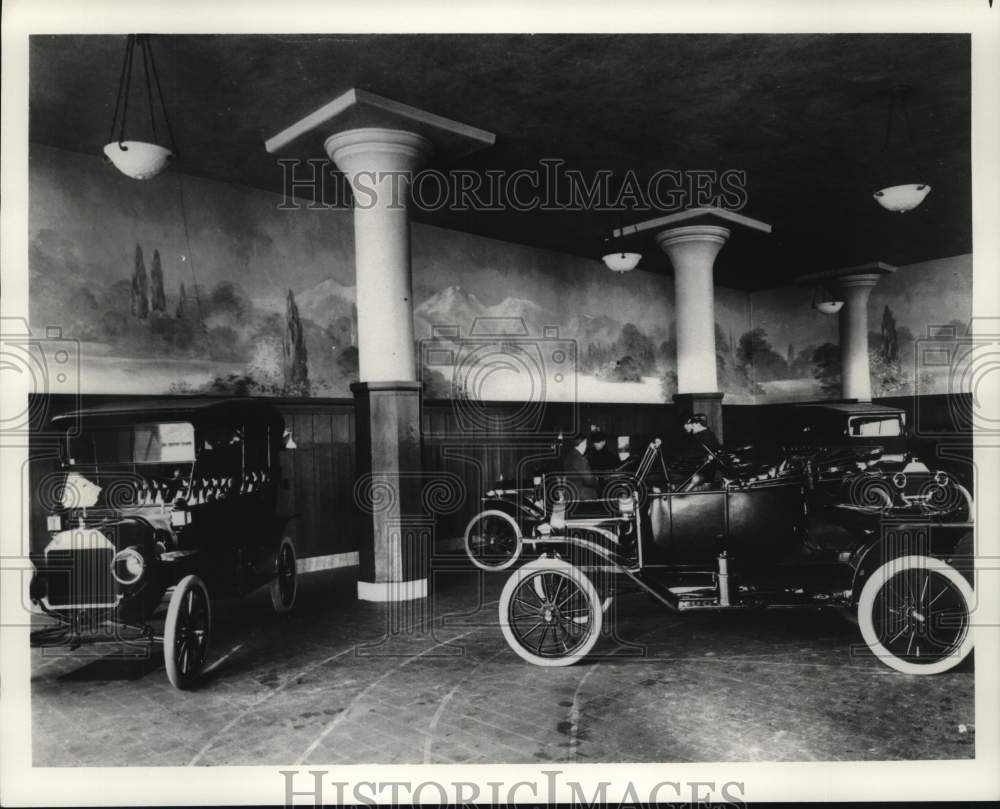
{"points": [[152, 79]]}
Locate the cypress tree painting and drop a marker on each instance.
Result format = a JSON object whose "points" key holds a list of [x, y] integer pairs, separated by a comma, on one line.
{"points": [[140, 286], [296, 366], [158, 299], [181, 302], [890, 337]]}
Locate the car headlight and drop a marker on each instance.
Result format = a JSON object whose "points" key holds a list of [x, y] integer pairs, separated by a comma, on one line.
{"points": [[127, 566], [626, 505]]}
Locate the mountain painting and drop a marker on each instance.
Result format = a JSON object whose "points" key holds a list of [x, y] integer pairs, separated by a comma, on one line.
{"points": [[183, 285]]}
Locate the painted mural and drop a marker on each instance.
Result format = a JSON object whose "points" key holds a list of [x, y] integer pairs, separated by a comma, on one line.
{"points": [[183, 285], [188, 286], [797, 353]]}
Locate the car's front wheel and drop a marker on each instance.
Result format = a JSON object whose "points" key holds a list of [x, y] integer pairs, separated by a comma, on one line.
{"points": [[550, 613], [187, 632], [915, 615]]}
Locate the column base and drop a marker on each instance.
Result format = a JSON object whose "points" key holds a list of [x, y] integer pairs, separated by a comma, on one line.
{"points": [[708, 403], [392, 590], [395, 537]]}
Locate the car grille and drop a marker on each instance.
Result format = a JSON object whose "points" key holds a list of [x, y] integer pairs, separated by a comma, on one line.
{"points": [[80, 578]]}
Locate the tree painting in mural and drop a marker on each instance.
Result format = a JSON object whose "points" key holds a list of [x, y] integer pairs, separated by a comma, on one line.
{"points": [[827, 369], [890, 338], [296, 366], [755, 351], [636, 346], [140, 286], [734, 369], [181, 309], [158, 299], [887, 372]]}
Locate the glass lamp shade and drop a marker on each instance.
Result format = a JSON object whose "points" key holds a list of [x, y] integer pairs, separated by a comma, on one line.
{"points": [[621, 262], [902, 198], [138, 159], [830, 307]]}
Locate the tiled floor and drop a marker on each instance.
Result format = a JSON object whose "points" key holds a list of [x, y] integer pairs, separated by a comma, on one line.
{"points": [[325, 685]]}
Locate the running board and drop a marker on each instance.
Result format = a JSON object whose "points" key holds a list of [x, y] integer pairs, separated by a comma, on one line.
{"points": [[667, 598]]}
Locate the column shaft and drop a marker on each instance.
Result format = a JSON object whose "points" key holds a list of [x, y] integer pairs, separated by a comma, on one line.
{"points": [[379, 164], [692, 251], [855, 369]]}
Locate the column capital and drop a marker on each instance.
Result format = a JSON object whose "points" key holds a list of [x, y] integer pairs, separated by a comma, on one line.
{"points": [[858, 280], [711, 234], [376, 148], [858, 275]]}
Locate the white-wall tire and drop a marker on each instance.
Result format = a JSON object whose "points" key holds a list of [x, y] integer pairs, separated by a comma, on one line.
{"points": [[566, 605], [494, 556], [897, 606]]}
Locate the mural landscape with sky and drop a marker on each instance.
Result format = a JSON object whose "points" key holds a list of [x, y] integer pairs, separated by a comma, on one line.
{"points": [[182, 285]]}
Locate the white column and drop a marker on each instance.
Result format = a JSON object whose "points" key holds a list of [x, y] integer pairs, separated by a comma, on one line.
{"points": [[692, 251], [855, 371], [379, 164]]}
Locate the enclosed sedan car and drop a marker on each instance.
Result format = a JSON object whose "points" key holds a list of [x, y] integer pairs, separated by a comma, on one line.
{"points": [[162, 501]]}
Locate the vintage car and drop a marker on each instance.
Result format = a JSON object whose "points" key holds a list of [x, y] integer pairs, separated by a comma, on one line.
{"points": [[856, 426], [861, 453], [743, 538], [512, 509], [162, 501]]}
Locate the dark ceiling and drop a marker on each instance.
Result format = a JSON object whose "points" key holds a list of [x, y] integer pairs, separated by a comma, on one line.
{"points": [[803, 115]]}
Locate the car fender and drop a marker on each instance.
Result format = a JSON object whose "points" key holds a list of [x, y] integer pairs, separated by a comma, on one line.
{"points": [[949, 543], [521, 512]]}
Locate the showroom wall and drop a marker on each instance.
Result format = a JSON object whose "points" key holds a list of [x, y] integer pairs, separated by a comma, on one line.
{"points": [[184, 285], [181, 285]]}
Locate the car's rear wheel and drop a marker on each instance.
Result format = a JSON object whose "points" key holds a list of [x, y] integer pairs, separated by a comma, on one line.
{"points": [[187, 631], [550, 613], [915, 615], [285, 583], [493, 540]]}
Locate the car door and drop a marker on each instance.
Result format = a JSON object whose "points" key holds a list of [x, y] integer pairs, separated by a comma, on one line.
{"points": [[685, 527], [766, 522]]}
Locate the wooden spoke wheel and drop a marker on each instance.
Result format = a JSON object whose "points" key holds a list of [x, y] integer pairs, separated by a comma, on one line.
{"points": [[187, 632], [285, 583], [915, 615], [493, 540], [550, 613]]}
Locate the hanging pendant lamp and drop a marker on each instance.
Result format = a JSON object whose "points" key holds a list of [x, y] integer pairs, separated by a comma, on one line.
{"points": [[825, 302], [140, 160], [898, 164], [619, 261]]}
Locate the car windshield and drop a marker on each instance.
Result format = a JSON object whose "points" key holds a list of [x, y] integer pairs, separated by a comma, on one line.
{"points": [[884, 425], [145, 443]]}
